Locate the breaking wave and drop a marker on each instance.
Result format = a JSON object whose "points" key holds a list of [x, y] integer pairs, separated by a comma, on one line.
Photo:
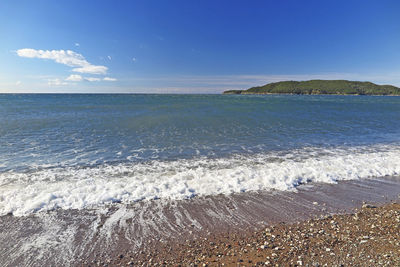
{"points": [[44, 189]]}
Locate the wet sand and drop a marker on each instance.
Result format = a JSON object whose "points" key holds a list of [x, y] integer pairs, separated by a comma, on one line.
{"points": [[121, 234]]}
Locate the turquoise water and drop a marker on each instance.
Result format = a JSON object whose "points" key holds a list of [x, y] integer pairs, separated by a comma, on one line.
{"points": [[141, 142]]}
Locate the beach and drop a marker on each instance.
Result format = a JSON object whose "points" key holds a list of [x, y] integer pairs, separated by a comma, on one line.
{"points": [[357, 234], [170, 233], [368, 237]]}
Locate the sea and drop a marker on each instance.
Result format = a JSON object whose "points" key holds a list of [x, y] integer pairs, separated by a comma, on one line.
{"points": [[85, 151]]}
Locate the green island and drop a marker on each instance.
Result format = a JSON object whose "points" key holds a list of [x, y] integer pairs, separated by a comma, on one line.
{"points": [[321, 87]]}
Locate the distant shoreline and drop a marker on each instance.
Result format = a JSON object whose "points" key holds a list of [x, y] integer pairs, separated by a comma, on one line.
{"points": [[320, 87], [224, 93]]}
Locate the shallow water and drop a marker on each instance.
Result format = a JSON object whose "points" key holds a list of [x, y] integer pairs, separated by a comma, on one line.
{"points": [[83, 151]]}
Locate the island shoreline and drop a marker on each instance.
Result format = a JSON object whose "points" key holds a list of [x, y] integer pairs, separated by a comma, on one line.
{"points": [[320, 87]]}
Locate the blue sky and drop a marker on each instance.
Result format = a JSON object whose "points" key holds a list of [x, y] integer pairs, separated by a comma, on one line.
{"points": [[193, 46]]}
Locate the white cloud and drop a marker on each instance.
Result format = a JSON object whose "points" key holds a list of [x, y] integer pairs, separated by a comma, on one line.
{"points": [[74, 78], [109, 57], [91, 69], [55, 82], [92, 79], [18, 83], [79, 78], [66, 57], [77, 44]]}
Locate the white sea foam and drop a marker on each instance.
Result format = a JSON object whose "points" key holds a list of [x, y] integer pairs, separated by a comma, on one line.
{"points": [[77, 187]]}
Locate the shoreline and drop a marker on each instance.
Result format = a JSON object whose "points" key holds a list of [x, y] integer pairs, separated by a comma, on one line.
{"points": [[370, 236], [117, 233], [223, 93], [323, 87]]}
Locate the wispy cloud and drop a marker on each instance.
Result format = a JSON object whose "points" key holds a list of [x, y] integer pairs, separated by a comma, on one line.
{"points": [[220, 83], [109, 57], [74, 78], [77, 44], [66, 57], [55, 82], [187, 84], [18, 83], [92, 79], [109, 79], [252, 80], [91, 69], [79, 78]]}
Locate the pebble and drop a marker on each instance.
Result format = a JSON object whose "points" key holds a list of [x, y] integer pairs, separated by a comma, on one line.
{"points": [[368, 206]]}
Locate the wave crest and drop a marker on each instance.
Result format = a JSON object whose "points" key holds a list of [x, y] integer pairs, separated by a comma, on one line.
{"points": [[23, 193]]}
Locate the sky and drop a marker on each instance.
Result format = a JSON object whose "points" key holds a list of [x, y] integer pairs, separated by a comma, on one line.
{"points": [[193, 46]]}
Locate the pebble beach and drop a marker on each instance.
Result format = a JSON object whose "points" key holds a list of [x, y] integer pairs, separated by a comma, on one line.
{"points": [[368, 237]]}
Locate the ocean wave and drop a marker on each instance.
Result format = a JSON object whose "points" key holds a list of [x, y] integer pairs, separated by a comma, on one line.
{"points": [[43, 189]]}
